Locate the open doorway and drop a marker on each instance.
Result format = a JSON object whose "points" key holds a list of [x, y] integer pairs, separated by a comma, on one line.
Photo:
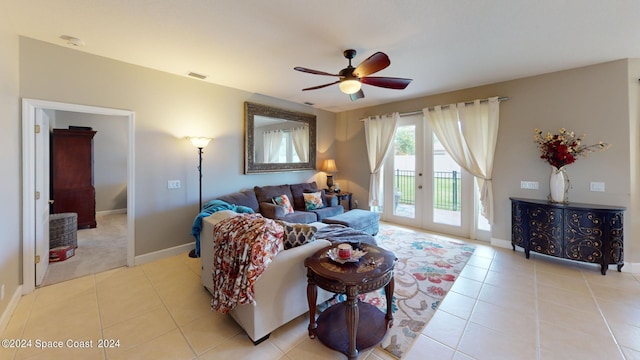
{"points": [[102, 247], [34, 238]]}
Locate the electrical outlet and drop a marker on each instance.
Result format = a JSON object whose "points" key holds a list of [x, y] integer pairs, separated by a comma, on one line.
{"points": [[597, 186], [532, 185], [173, 184]]}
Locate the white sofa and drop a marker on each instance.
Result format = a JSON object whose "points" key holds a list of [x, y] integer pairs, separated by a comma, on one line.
{"points": [[280, 292]]}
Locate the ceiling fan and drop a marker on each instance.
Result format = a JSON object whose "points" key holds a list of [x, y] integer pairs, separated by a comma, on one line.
{"points": [[351, 79]]}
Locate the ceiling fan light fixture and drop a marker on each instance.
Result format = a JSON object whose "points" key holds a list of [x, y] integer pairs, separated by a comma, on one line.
{"points": [[350, 86], [352, 78]]}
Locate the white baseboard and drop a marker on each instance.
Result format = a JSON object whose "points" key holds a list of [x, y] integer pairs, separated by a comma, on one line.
{"points": [[501, 243], [633, 268], [115, 211], [11, 307], [161, 254]]}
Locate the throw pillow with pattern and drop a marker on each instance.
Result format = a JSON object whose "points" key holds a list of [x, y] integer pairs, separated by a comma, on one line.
{"points": [[283, 200], [313, 201], [297, 234]]}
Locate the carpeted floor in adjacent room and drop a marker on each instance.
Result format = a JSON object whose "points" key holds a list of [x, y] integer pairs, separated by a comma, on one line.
{"points": [[101, 248]]}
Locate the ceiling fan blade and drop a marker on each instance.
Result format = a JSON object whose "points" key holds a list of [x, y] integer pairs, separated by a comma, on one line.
{"points": [[357, 95], [372, 64], [386, 82], [311, 71], [321, 86]]}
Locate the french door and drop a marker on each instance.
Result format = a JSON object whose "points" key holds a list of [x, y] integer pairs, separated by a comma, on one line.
{"points": [[423, 187]]}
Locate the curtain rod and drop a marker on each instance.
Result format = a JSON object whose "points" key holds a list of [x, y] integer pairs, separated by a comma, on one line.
{"points": [[418, 112]]}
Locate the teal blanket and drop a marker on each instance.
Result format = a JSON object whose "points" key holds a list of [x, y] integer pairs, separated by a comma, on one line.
{"points": [[208, 209]]}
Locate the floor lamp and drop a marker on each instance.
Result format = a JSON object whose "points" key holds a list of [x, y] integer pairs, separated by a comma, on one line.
{"points": [[200, 143]]}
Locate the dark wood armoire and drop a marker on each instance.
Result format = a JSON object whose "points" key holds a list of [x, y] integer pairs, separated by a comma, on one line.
{"points": [[72, 187]]}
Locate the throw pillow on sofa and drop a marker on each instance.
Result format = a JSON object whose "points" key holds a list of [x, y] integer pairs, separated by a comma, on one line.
{"points": [[323, 196], [297, 234], [298, 189], [313, 201], [283, 200]]}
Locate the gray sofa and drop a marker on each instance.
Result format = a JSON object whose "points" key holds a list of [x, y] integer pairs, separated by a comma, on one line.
{"points": [[260, 199]]}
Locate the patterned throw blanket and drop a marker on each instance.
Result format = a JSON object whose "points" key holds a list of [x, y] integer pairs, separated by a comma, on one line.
{"points": [[244, 246]]}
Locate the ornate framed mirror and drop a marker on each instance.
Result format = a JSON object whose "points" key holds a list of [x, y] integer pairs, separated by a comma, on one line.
{"points": [[278, 140]]}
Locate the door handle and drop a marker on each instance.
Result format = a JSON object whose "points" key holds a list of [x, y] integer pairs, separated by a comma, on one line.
{"points": [[51, 202], [420, 187]]}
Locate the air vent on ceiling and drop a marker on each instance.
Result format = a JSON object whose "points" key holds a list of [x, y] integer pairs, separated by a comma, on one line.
{"points": [[197, 76]]}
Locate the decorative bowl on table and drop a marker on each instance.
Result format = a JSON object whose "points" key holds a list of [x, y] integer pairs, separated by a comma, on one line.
{"points": [[356, 254]]}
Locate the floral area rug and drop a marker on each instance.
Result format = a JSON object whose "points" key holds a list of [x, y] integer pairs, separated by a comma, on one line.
{"points": [[426, 269]]}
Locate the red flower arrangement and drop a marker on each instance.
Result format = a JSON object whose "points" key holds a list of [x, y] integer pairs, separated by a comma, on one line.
{"points": [[564, 148]]}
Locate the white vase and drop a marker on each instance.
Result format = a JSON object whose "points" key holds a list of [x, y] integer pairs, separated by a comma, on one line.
{"points": [[558, 185]]}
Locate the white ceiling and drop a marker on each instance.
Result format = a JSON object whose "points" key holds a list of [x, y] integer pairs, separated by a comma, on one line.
{"points": [[253, 45]]}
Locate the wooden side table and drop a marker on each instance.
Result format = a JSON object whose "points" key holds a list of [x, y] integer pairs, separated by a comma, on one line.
{"points": [[350, 326], [344, 199]]}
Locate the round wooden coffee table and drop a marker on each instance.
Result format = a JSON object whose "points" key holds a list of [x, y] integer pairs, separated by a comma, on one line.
{"points": [[350, 326]]}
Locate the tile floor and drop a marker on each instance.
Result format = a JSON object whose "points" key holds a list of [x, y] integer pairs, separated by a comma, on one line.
{"points": [[501, 307]]}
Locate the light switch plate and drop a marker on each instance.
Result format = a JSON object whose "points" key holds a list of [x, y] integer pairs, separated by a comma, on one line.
{"points": [[597, 186], [531, 185]]}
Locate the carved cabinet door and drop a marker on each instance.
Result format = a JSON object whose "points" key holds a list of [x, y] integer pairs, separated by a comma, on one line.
{"points": [[545, 230], [583, 235]]}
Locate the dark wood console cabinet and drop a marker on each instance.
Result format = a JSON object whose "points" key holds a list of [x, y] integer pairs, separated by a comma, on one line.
{"points": [[72, 188], [582, 232]]}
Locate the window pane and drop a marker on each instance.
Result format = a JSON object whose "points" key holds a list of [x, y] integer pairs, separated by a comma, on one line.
{"points": [[447, 187], [404, 173]]}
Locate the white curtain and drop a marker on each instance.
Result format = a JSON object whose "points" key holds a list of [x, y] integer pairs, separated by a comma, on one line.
{"points": [[271, 145], [469, 134], [379, 132], [300, 138]]}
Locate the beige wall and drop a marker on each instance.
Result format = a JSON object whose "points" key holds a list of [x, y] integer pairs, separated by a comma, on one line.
{"points": [[167, 109], [593, 100], [10, 181]]}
